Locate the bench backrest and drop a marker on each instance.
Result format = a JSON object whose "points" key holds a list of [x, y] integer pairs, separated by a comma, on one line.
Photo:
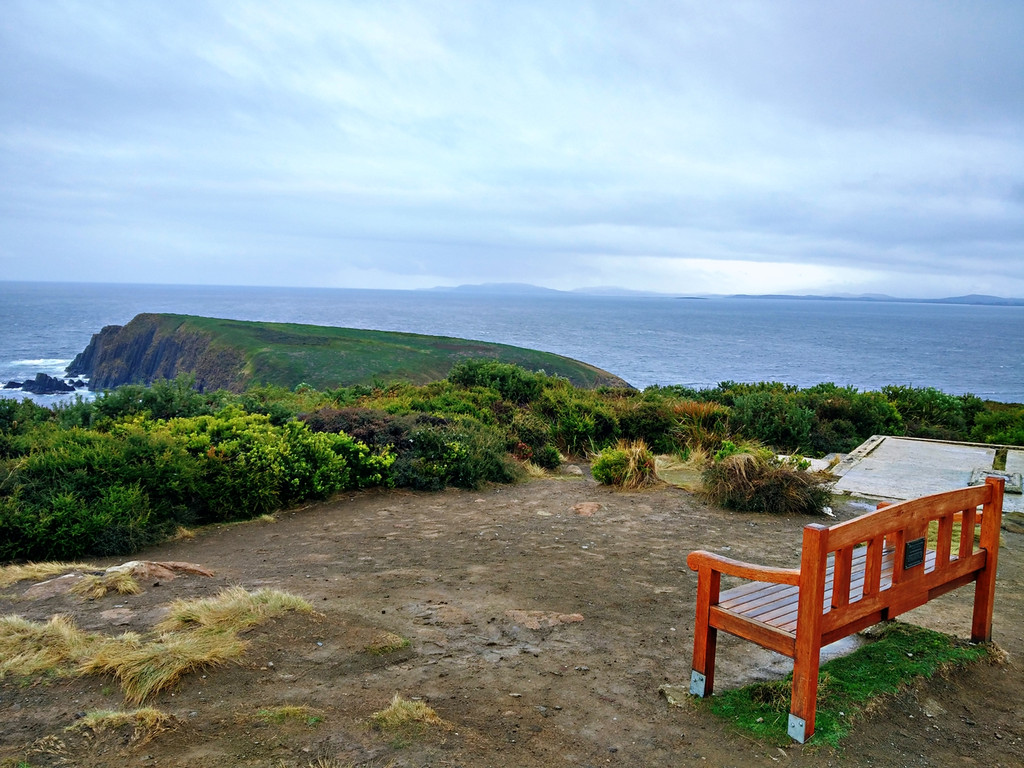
{"points": [[895, 556]]}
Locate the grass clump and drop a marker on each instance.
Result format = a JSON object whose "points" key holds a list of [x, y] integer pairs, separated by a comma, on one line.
{"points": [[232, 610], [31, 648], [850, 685], [93, 587], [12, 574], [199, 634], [146, 722], [146, 668], [407, 719], [629, 465], [385, 643], [752, 479]]}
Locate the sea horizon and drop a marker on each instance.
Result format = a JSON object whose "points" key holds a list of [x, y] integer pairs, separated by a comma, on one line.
{"points": [[646, 340]]}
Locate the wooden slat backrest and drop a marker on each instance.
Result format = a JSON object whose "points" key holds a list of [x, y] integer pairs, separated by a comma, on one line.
{"points": [[889, 529]]}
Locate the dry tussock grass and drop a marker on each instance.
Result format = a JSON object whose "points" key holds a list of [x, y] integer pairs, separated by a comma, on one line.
{"points": [[385, 643], [146, 668], [146, 722], [402, 714], [232, 610], [11, 574], [31, 648], [202, 635], [94, 587]]}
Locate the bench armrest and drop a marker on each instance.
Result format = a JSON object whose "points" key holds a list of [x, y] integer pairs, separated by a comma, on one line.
{"points": [[730, 567]]}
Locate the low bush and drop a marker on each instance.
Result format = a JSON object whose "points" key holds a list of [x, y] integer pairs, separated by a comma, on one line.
{"points": [[628, 465], [581, 422], [757, 481], [513, 383], [74, 492], [461, 453], [653, 421], [702, 424]]}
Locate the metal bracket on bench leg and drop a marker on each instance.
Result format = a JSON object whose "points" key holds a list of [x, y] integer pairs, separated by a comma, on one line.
{"points": [[797, 728], [697, 683]]}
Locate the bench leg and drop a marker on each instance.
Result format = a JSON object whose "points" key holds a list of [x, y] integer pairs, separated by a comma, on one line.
{"points": [[804, 704], [702, 678], [985, 587], [705, 637]]}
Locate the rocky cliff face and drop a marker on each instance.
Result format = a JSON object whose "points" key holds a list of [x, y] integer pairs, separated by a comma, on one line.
{"points": [[153, 347]]}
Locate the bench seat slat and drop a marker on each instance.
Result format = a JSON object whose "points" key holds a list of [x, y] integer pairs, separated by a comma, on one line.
{"points": [[776, 604]]}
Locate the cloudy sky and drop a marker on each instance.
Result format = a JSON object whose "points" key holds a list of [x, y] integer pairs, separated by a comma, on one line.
{"points": [[682, 147]]}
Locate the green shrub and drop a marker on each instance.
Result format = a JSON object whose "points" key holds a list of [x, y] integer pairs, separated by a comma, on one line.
{"points": [[1005, 426], [581, 422], [547, 457], [773, 418], [461, 453], [74, 492], [513, 383], [653, 421], [927, 412], [628, 465]]}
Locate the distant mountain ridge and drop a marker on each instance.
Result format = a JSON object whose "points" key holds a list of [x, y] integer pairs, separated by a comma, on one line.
{"points": [[526, 289]]}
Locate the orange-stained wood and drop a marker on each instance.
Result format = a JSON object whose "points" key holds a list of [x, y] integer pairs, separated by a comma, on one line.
{"points": [[851, 576]]}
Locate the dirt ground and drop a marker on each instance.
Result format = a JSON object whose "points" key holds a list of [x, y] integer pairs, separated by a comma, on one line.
{"points": [[543, 619]]}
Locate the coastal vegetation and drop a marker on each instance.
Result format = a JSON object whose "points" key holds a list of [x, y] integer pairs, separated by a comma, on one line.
{"points": [[137, 464]]}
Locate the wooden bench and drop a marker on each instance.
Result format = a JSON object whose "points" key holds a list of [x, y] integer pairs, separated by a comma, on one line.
{"points": [[852, 575]]}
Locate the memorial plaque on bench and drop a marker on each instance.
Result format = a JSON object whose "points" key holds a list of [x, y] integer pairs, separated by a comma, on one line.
{"points": [[913, 554]]}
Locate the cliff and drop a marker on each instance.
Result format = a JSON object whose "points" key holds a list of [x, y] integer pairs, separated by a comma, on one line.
{"points": [[153, 347], [233, 354]]}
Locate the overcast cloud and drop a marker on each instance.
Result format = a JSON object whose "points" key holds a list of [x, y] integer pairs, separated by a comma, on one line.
{"points": [[684, 147]]}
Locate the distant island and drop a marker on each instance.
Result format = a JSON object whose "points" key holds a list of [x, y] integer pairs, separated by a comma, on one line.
{"points": [[526, 289], [234, 354]]}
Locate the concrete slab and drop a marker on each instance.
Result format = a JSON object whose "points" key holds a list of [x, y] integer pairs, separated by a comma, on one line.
{"points": [[1015, 462], [900, 468]]}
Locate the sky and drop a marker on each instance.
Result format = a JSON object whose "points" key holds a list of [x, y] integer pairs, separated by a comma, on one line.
{"points": [[681, 147]]}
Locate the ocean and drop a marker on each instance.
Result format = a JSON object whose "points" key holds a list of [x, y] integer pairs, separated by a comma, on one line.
{"points": [[644, 340]]}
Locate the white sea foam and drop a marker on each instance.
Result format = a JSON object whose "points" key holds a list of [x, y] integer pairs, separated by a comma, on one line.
{"points": [[43, 362]]}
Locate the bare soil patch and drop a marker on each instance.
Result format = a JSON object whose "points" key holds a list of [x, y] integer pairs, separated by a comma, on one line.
{"points": [[542, 620]]}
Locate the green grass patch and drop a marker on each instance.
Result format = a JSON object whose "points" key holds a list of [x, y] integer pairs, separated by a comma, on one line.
{"points": [[291, 713], [848, 686]]}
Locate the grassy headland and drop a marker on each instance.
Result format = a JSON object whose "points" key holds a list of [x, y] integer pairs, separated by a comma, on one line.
{"points": [[235, 354]]}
